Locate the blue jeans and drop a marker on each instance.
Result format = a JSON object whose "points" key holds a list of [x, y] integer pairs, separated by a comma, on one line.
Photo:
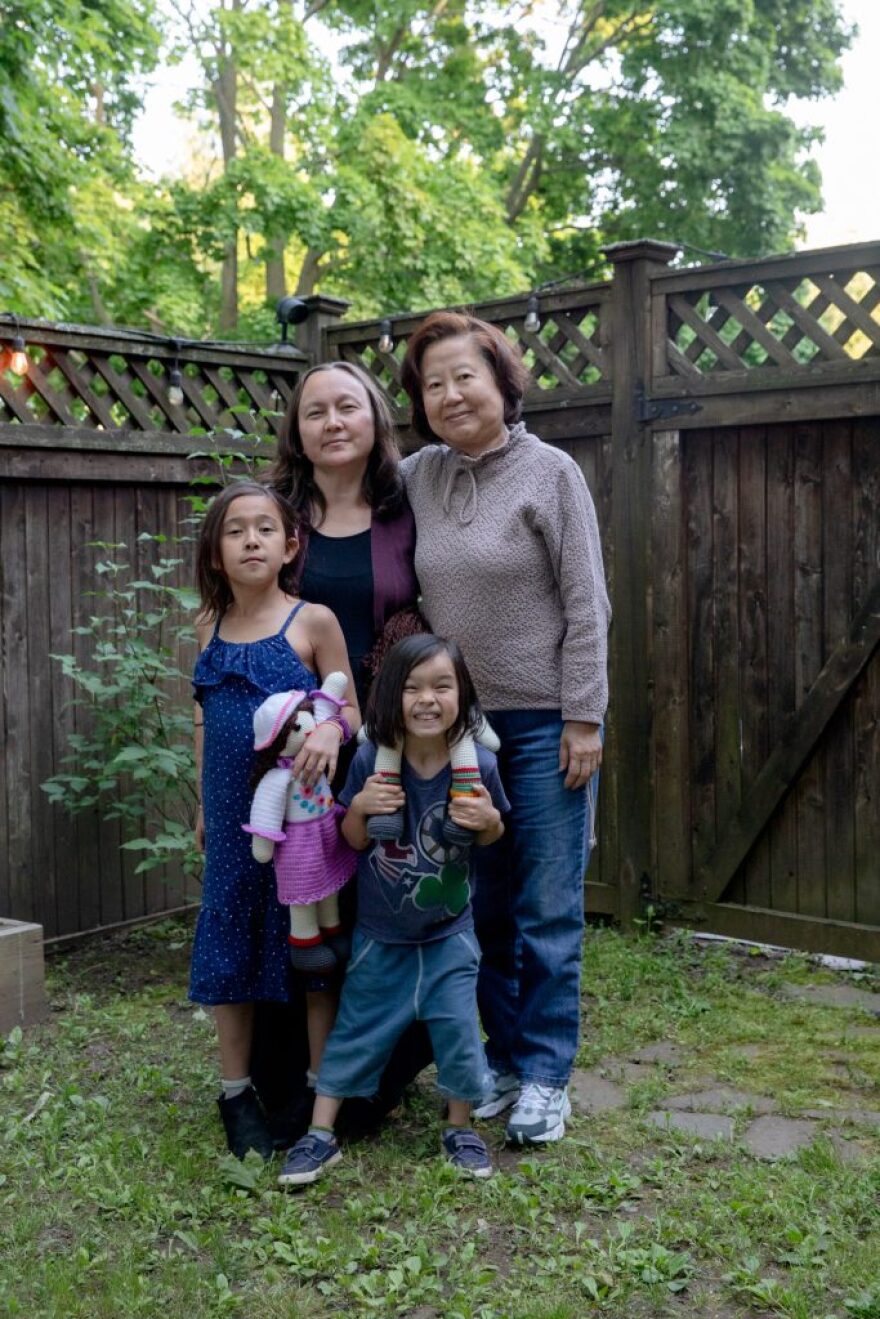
{"points": [[387, 987], [529, 904]]}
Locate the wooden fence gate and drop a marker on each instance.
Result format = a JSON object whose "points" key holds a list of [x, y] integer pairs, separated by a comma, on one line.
{"points": [[727, 420]]}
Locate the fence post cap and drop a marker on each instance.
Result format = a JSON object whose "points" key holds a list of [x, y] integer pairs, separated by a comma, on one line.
{"points": [[640, 249], [325, 305]]}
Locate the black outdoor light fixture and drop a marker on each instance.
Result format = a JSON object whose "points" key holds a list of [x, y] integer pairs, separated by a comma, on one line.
{"points": [[290, 311], [532, 322]]}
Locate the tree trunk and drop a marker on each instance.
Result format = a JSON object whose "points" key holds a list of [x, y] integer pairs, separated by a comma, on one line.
{"points": [[275, 281], [309, 271], [225, 90]]}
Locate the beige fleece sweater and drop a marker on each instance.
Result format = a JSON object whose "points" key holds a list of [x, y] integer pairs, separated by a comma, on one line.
{"points": [[509, 561]]}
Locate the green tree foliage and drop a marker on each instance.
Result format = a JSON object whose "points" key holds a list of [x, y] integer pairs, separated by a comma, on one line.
{"points": [[69, 92], [412, 153]]}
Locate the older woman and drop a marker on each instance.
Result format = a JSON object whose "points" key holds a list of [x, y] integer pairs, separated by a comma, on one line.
{"points": [[510, 564]]}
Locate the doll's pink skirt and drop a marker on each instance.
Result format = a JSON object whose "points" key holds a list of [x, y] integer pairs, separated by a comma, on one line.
{"points": [[314, 860]]}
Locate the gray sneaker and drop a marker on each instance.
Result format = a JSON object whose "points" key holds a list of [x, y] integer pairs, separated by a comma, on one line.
{"points": [[539, 1115], [503, 1092]]}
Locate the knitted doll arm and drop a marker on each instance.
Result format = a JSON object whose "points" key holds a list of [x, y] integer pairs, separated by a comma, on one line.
{"points": [[270, 801], [330, 699], [487, 737]]}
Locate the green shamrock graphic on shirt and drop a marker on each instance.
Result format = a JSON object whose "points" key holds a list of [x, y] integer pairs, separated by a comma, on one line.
{"points": [[448, 889]]}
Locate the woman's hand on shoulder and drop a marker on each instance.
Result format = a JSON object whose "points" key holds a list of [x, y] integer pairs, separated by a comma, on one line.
{"points": [[580, 752]]}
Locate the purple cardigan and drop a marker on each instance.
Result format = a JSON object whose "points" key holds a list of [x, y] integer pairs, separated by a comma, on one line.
{"points": [[392, 549]]}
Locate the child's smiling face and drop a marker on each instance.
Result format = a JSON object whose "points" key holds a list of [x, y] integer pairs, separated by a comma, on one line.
{"points": [[430, 698]]}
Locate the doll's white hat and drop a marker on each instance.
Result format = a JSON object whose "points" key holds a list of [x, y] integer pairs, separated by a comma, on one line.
{"points": [[270, 717]]}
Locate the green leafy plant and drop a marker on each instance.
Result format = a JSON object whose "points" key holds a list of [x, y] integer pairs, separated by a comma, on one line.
{"points": [[135, 763]]}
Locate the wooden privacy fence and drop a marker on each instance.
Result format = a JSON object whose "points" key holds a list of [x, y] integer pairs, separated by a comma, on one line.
{"points": [[727, 419]]}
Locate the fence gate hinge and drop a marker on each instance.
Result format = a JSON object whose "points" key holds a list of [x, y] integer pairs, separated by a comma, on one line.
{"points": [[658, 409]]}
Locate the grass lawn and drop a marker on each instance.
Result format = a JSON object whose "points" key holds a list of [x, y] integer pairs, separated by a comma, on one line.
{"points": [[117, 1200]]}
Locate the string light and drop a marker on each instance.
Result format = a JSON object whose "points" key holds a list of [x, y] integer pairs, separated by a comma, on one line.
{"points": [[175, 379], [386, 343], [19, 359], [532, 322]]}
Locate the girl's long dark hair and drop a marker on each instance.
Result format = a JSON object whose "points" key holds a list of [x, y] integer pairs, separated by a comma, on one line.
{"points": [[293, 474], [384, 717], [213, 588]]}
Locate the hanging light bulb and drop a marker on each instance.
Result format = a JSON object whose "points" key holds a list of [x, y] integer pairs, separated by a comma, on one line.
{"points": [[532, 322], [175, 391], [19, 359], [175, 379], [386, 343]]}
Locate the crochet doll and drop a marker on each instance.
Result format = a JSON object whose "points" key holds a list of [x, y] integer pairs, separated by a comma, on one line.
{"points": [[465, 773], [296, 825]]}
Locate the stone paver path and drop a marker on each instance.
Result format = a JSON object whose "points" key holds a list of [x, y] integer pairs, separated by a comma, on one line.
{"points": [[713, 1110]]}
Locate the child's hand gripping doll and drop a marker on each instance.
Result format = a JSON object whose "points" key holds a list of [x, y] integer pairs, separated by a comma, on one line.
{"points": [[465, 773], [296, 825]]}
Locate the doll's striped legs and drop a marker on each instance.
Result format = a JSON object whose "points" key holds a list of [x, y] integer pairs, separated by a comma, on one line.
{"points": [[465, 776], [388, 828]]}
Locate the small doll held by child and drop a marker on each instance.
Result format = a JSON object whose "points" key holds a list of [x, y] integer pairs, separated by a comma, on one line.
{"points": [[414, 955], [295, 824]]}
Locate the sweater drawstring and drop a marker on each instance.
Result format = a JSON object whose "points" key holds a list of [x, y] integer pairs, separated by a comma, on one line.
{"points": [[468, 510]]}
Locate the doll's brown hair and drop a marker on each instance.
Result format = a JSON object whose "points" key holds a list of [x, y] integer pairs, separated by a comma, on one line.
{"points": [[267, 758]]}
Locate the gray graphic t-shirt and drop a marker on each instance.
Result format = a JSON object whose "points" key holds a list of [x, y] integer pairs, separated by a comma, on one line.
{"points": [[419, 889]]}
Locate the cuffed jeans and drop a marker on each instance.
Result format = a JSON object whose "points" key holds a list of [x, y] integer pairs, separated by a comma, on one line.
{"points": [[529, 904], [387, 987]]}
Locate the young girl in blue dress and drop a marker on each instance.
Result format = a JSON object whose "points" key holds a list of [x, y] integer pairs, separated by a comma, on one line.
{"points": [[414, 956], [255, 638]]}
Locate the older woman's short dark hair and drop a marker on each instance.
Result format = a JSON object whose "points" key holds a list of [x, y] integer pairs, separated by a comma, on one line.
{"points": [[504, 361]]}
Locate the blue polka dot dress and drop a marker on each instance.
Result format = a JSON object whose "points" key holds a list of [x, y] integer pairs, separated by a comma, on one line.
{"points": [[240, 950]]}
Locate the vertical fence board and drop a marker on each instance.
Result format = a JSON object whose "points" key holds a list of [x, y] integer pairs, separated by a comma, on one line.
{"points": [[752, 650], [16, 659], [701, 645], [810, 788], [725, 611], [57, 822], [130, 885], [9, 578], [609, 851], [780, 648], [837, 561], [85, 865], [669, 662], [866, 700], [39, 565]]}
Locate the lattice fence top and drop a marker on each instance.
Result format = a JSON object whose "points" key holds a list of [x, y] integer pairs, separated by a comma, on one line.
{"points": [[789, 323], [96, 381], [568, 353]]}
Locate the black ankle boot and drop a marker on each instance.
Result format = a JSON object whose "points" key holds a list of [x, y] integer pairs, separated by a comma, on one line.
{"points": [[245, 1124]]}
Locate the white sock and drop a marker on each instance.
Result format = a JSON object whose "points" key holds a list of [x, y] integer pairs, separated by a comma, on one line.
{"points": [[233, 1088]]}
